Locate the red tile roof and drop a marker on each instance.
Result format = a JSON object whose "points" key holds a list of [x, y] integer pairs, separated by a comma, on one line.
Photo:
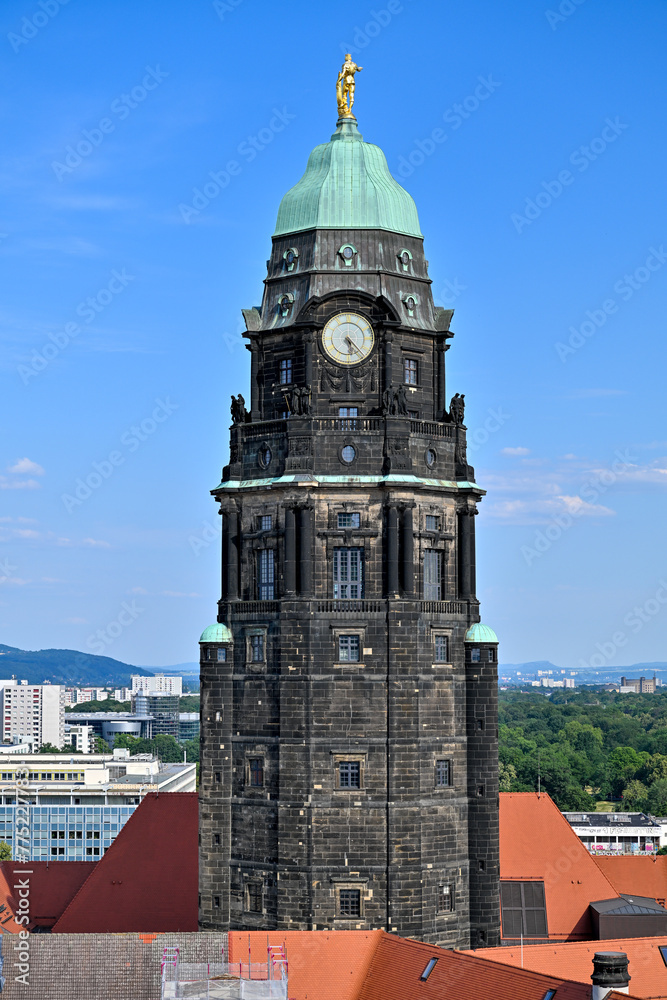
{"points": [[51, 885], [575, 959], [323, 965], [147, 880], [398, 964], [538, 843], [637, 876]]}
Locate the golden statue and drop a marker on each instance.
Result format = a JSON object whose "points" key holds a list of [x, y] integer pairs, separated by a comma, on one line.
{"points": [[345, 87]]}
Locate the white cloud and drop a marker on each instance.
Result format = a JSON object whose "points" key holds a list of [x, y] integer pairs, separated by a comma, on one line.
{"points": [[25, 466], [515, 451], [18, 484]]}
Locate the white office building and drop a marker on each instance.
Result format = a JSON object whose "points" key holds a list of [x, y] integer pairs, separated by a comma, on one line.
{"points": [[34, 713], [157, 684], [76, 804], [81, 737]]}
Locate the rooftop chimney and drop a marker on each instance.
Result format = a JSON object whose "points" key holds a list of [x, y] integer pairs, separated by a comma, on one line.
{"points": [[610, 972]]}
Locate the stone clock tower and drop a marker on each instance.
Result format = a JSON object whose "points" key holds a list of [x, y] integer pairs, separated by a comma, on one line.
{"points": [[349, 774]]}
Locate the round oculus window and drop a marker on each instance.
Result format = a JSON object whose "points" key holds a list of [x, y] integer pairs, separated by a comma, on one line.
{"points": [[348, 454], [264, 456], [348, 253], [430, 457]]}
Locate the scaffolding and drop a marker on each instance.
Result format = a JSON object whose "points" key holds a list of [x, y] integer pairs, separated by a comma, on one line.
{"points": [[225, 980]]}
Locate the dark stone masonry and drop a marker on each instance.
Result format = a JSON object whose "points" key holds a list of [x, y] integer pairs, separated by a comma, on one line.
{"points": [[349, 742]]}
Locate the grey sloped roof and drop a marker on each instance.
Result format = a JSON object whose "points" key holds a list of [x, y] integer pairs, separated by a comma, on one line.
{"points": [[112, 966], [629, 905]]}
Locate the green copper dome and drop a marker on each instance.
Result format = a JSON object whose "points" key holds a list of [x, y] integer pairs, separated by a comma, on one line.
{"points": [[216, 633], [480, 633], [347, 185]]}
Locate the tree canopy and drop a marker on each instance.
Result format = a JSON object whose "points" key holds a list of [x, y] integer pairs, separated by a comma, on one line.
{"points": [[586, 745]]}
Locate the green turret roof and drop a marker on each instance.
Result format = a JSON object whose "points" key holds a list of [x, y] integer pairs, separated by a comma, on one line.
{"points": [[216, 633], [480, 633], [347, 185]]}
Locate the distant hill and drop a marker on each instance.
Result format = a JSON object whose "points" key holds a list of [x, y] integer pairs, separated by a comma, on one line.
{"points": [[176, 668], [529, 668], [65, 666]]}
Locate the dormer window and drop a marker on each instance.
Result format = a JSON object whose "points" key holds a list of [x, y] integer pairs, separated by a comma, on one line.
{"points": [[348, 253], [290, 257], [285, 303], [405, 257]]}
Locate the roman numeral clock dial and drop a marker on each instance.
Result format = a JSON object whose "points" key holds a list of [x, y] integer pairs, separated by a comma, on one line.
{"points": [[348, 338]]}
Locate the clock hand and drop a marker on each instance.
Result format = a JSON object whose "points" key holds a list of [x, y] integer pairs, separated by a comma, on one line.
{"points": [[352, 347]]}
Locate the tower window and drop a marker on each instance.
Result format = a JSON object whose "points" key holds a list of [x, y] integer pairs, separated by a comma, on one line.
{"points": [[265, 574], [490, 655], [349, 902], [410, 371], [475, 655], [253, 895], [432, 574], [216, 902], [348, 454], [347, 414], [222, 655], [441, 649], [216, 839], [443, 773], [265, 522], [285, 371], [349, 520], [432, 522], [348, 648], [349, 774], [348, 580], [257, 648], [445, 899], [256, 772]]}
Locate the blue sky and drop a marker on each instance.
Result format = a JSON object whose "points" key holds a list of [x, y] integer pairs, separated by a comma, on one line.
{"points": [[543, 209]]}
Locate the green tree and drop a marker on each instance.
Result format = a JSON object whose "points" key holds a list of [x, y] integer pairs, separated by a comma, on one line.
{"points": [[101, 746], [507, 777], [656, 800], [48, 748], [635, 795], [5, 851], [167, 748], [191, 748]]}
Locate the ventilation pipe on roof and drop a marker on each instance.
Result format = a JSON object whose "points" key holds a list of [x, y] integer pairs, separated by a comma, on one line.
{"points": [[610, 972]]}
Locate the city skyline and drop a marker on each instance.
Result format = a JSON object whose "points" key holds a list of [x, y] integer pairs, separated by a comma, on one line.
{"points": [[140, 197]]}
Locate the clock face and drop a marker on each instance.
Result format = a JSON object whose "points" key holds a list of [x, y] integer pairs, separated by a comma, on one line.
{"points": [[348, 338]]}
